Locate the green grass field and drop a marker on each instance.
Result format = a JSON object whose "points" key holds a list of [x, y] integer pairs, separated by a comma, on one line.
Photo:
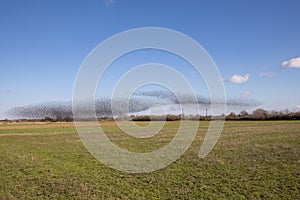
{"points": [[252, 160]]}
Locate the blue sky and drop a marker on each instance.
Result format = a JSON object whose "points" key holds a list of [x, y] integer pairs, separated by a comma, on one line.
{"points": [[44, 42]]}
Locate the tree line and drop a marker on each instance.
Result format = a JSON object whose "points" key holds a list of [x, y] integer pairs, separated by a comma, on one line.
{"points": [[258, 114]]}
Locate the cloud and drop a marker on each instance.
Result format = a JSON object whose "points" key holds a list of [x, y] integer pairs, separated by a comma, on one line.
{"points": [[267, 74], [245, 94], [239, 78], [108, 2], [293, 63], [8, 91]]}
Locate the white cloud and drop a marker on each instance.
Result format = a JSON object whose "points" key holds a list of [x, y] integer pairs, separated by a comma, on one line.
{"points": [[293, 63], [239, 78], [267, 74], [108, 2], [245, 94]]}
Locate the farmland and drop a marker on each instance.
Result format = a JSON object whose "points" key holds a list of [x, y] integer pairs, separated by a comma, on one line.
{"points": [[252, 160]]}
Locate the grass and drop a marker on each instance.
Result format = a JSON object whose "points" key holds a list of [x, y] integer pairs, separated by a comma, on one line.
{"points": [[252, 160]]}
